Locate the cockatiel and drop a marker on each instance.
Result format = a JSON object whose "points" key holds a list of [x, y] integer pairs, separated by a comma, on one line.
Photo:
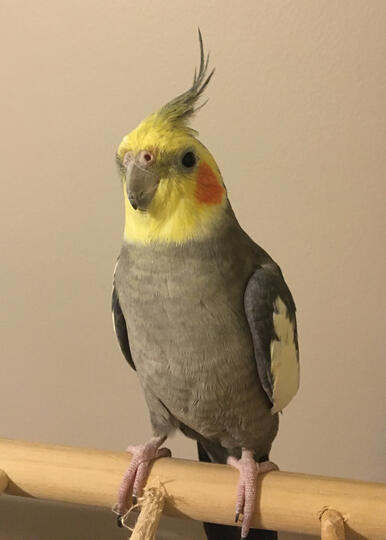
{"points": [[201, 312]]}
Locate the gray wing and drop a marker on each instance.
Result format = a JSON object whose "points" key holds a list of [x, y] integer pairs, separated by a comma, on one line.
{"points": [[270, 311], [120, 329]]}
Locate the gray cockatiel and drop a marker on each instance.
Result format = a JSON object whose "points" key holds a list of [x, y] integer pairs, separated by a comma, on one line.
{"points": [[201, 312]]}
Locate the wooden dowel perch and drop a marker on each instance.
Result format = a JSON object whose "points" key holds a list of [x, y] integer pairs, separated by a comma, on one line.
{"points": [[3, 481], [200, 491]]}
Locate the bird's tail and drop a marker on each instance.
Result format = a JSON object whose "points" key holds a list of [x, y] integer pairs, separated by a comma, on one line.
{"points": [[227, 532]]}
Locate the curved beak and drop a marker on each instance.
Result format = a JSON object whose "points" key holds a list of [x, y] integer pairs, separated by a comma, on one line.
{"points": [[141, 185]]}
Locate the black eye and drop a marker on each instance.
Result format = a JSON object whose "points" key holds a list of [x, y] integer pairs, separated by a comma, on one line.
{"points": [[189, 159]]}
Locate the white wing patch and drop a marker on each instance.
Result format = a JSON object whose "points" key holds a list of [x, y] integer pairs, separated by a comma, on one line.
{"points": [[284, 358], [113, 317], [112, 291]]}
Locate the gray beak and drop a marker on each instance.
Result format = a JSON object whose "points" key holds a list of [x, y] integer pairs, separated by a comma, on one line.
{"points": [[141, 185]]}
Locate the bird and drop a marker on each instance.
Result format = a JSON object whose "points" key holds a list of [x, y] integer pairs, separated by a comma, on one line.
{"points": [[201, 312]]}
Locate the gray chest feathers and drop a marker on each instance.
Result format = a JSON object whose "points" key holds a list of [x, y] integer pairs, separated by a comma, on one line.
{"points": [[189, 337]]}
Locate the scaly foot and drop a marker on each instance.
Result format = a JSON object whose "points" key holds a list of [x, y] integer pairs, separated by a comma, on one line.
{"points": [[246, 489], [135, 477]]}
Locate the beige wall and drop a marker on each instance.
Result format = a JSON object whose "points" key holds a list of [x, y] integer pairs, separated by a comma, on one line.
{"points": [[296, 120]]}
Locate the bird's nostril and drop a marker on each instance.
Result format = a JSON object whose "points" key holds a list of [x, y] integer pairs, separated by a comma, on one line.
{"points": [[147, 157]]}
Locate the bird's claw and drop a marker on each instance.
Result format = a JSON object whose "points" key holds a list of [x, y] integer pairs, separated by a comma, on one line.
{"points": [[135, 477], [246, 489]]}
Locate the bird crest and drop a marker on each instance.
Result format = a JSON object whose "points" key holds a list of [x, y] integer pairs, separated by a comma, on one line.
{"points": [[179, 110], [170, 124]]}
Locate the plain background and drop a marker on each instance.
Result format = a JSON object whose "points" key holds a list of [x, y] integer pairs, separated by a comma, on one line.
{"points": [[296, 121]]}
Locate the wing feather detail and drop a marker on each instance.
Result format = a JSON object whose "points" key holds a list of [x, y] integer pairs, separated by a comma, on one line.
{"points": [[270, 312], [120, 329], [284, 358]]}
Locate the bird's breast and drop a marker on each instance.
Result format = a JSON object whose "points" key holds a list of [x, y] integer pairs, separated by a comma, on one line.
{"points": [[188, 333]]}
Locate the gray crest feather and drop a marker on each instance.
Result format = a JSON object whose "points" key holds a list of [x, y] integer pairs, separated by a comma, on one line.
{"points": [[181, 108]]}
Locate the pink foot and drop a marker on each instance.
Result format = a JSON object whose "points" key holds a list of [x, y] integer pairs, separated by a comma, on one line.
{"points": [[135, 477], [246, 489]]}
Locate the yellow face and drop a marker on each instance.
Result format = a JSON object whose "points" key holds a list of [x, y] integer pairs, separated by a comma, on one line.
{"points": [[188, 196]]}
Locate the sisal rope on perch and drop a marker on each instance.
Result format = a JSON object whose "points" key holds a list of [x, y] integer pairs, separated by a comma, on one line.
{"points": [[332, 525], [151, 505]]}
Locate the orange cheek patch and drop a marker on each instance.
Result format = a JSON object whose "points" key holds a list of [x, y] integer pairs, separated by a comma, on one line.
{"points": [[208, 188]]}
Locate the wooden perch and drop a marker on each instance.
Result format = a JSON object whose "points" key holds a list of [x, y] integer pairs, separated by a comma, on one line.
{"points": [[3, 481], [200, 491]]}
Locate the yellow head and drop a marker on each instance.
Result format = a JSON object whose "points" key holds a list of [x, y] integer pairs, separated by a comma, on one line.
{"points": [[172, 187]]}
